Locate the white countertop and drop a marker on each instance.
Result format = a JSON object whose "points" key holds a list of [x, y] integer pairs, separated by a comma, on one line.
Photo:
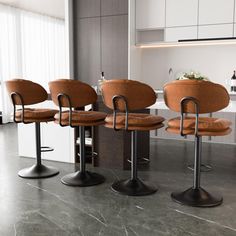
{"points": [[160, 104]]}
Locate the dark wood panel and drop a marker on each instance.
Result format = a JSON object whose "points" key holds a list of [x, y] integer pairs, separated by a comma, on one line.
{"points": [[114, 7], [87, 50], [86, 8], [114, 34]]}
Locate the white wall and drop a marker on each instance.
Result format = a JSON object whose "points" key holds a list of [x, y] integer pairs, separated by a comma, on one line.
{"points": [[216, 62]]}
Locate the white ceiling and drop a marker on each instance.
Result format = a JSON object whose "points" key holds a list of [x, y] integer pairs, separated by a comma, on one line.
{"points": [[54, 8]]}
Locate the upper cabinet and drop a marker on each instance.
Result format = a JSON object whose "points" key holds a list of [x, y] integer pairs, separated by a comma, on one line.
{"points": [[175, 20], [181, 13], [216, 12], [150, 14]]}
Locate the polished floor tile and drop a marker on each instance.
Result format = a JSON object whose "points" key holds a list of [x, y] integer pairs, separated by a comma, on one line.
{"points": [[46, 207]]}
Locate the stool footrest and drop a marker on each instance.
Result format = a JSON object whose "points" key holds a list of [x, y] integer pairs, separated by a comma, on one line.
{"points": [[204, 167]]}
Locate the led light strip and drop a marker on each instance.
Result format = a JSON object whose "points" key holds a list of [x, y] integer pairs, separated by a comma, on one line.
{"points": [[187, 44]]}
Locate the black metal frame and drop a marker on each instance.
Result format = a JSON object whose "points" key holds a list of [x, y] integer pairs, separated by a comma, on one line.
{"points": [[81, 178], [133, 186], [38, 170], [195, 196]]}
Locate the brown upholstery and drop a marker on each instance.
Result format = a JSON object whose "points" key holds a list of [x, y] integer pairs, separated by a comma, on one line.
{"points": [[207, 126], [82, 118], [31, 92], [212, 97], [36, 115], [137, 94], [81, 94], [136, 121]]}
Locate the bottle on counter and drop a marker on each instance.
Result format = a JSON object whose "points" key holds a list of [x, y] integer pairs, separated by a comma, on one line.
{"points": [[233, 83], [100, 81]]}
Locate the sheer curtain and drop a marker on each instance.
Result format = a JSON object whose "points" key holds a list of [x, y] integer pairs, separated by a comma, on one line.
{"points": [[32, 46]]}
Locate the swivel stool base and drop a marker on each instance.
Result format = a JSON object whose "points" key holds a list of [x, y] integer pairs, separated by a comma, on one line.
{"points": [[133, 187], [82, 179], [196, 198], [38, 172]]}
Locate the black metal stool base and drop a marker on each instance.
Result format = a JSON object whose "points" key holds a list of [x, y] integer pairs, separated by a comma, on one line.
{"points": [[133, 187], [82, 179], [203, 168], [38, 172], [196, 198]]}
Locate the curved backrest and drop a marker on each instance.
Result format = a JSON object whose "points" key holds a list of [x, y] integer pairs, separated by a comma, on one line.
{"points": [[31, 92], [80, 94], [138, 95], [211, 97]]}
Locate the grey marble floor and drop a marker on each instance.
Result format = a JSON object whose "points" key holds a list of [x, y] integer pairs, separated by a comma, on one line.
{"points": [[47, 208]]}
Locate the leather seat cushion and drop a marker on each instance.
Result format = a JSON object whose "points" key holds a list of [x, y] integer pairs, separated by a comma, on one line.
{"points": [[200, 133], [207, 126], [82, 118], [36, 115], [136, 121]]}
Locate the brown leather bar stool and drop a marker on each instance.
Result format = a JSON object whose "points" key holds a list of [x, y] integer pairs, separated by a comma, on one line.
{"points": [[75, 94], [126, 96], [196, 97], [25, 92]]}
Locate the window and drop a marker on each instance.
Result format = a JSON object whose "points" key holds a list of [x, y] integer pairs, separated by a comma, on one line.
{"points": [[32, 47]]}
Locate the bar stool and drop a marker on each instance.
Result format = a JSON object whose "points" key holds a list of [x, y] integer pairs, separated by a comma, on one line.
{"points": [[74, 94], [25, 92], [126, 96], [196, 97]]}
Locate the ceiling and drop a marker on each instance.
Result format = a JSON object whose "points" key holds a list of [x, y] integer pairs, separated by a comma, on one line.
{"points": [[53, 8]]}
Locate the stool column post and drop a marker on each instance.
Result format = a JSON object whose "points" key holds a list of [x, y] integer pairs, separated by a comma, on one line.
{"points": [[38, 143], [82, 149], [197, 162], [134, 155]]}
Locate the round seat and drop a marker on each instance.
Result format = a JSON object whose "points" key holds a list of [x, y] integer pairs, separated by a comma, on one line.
{"points": [[136, 121], [207, 126], [81, 118], [35, 115]]}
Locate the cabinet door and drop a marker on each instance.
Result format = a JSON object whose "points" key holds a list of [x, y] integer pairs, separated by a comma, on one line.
{"points": [[87, 50], [177, 33], [86, 8], [215, 31], [114, 35], [150, 14], [181, 12], [216, 11], [114, 7]]}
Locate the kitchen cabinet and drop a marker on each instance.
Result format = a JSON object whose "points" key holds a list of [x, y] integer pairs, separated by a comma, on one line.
{"points": [[150, 14], [86, 8], [181, 13], [87, 50], [184, 19], [178, 33], [114, 42], [216, 11], [101, 40], [113, 7], [215, 31]]}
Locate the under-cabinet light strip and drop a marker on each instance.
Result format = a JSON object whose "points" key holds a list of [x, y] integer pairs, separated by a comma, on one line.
{"points": [[187, 44]]}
